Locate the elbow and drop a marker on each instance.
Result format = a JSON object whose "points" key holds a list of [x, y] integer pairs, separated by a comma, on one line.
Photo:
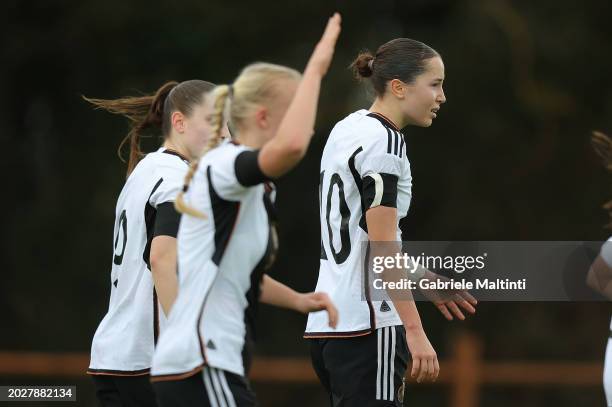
{"points": [[156, 261], [296, 150], [592, 282], [281, 157], [162, 257]]}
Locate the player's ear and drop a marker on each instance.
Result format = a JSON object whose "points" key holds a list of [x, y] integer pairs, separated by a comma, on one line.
{"points": [[261, 117], [398, 88], [178, 122]]}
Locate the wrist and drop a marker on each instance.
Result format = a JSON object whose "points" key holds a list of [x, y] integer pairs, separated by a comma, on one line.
{"points": [[300, 303], [413, 327]]}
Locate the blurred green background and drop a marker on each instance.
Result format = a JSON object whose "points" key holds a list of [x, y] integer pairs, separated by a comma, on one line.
{"points": [[508, 158]]}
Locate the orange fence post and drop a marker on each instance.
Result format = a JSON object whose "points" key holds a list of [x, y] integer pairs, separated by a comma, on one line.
{"points": [[466, 373]]}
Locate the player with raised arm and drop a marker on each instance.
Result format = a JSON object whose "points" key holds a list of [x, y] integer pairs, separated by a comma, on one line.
{"points": [[122, 378], [226, 236], [365, 190]]}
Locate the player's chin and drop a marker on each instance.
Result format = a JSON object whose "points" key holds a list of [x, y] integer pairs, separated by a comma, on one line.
{"points": [[425, 122]]}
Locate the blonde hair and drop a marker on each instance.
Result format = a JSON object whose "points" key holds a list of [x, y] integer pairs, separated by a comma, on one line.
{"points": [[257, 84]]}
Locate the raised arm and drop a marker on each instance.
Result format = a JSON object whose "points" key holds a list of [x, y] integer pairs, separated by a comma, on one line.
{"points": [[286, 149]]}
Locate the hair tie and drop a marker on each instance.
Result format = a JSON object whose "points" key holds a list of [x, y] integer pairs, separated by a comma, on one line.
{"points": [[370, 64], [167, 98], [169, 94]]}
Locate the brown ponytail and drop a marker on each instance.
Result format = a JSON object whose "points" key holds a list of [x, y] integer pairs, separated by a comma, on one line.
{"points": [[143, 111], [221, 97], [603, 147], [154, 111]]}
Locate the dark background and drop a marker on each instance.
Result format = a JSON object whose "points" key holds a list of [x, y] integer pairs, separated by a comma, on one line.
{"points": [[508, 157]]}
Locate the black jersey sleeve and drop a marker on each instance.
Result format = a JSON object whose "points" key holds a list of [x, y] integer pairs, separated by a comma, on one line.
{"points": [[167, 220], [248, 172]]}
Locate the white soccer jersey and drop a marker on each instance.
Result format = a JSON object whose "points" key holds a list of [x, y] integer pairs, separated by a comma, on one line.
{"points": [[364, 165], [124, 341], [221, 262], [606, 255]]}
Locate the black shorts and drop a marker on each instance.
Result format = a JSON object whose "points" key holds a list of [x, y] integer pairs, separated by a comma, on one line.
{"points": [[124, 391], [209, 388], [363, 371]]}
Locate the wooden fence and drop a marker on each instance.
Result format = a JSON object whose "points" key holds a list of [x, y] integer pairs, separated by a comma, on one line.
{"points": [[465, 372]]}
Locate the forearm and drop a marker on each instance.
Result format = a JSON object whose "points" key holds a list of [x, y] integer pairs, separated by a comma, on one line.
{"points": [[295, 131], [279, 295], [382, 223], [402, 300], [163, 270], [296, 128], [409, 314], [166, 283]]}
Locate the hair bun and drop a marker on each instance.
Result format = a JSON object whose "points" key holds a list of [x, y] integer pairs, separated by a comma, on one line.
{"points": [[362, 66]]}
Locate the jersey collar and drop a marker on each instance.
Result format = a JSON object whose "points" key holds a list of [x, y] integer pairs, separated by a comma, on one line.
{"points": [[176, 153], [384, 120]]}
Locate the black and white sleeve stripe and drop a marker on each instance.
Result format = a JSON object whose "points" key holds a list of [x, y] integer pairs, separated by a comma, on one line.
{"points": [[385, 372], [395, 142]]}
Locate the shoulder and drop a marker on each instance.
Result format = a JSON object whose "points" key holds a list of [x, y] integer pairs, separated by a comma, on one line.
{"points": [[381, 145], [364, 128], [360, 122], [219, 168], [355, 131], [222, 157], [168, 165]]}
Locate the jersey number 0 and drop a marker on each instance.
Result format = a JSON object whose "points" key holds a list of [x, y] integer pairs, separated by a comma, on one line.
{"points": [[345, 214], [118, 258]]}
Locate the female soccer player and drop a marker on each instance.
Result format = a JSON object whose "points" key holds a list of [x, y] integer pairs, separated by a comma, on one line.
{"points": [[365, 190], [183, 106], [225, 237], [599, 277], [143, 271]]}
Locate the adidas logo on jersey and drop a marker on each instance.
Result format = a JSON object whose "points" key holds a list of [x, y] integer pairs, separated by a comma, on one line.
{"points": [[384, 307], [211, 345]]}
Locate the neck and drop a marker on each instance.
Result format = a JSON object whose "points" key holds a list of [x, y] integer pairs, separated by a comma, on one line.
{"points": [[171, 144], [249, 138], [390, 110]]}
